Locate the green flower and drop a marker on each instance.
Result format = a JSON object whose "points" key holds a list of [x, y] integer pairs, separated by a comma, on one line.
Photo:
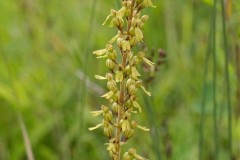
{"points": [[148, 3], [138, 34]]}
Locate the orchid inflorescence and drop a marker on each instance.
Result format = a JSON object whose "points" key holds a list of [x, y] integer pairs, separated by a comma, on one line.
{"points": [[123, 78]]}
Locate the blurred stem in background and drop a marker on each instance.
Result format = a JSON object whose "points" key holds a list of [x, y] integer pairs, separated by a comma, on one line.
{"points": [[83, 90], [156, 140], [18, 115], [226, 51], [215, 107], [203, 101]]}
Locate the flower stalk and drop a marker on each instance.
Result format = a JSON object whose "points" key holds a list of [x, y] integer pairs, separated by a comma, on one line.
{"points": [[123, 78]]}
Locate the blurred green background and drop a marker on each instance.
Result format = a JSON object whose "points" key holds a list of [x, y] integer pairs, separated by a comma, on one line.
{"points": [[47, 85]]}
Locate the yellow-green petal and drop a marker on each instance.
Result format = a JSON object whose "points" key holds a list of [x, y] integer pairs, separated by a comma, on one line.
{"points": [[125, 125], [100, 77], [144, 89], [138, 34], [97, 126], [119, 76], [121, 12], [135, 73], [143, 128], [104, 56], [136, 105], [138, 157], [114, 39], [148, 3], [106, 19], [150, 63], [108, 95], [100, 52], [96, 113]]}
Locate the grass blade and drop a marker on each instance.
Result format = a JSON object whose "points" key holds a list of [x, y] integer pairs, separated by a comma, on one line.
{"points": [[225, 42]]}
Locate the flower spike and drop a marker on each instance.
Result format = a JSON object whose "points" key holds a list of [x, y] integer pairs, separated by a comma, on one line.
{"points": [[123, 79]]}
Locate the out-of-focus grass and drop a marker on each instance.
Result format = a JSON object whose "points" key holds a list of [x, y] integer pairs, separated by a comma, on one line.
{"points": [[43, 45]]}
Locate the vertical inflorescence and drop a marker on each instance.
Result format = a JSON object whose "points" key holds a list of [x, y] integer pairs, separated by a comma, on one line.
{"points": [[123, 78]]}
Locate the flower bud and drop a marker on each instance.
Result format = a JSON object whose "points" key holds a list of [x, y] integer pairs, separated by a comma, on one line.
{"points": [[127, 4], [115, 96], [133, 40], [119, 22], [135, 74], [109, 76], [130, 55], [132, 151], [132, 90], [148, 3], [125, 125], [110, 64], [129, 104], [138, 83], [109, 47], [129, 133], [127, 115], [119, 42], [121, 12], [138, 34], [134, 124], [133, 98], [141, 25], [107, 116], [138, 22], [113, 12], [115, 107], [108, 131], [119, 76], [126, 156], [141, 55], [134, 60], [127, 70], [130, 82], [104, 108], [144, 18], [112, 55], [128, 12], [111, 85], [131, 31], [126, 45]]}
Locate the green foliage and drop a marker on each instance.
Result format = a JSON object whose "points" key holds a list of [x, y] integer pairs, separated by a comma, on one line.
{"points": [[47, 75]]}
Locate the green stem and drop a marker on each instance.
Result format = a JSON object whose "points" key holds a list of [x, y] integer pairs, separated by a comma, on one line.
{"points": [[227, 80], [122, 92], [214, 83], [83, 94], [120, 109], [202, 117]]}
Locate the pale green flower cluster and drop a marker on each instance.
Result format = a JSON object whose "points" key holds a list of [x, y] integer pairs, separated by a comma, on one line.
{"points": [[123, 78]]}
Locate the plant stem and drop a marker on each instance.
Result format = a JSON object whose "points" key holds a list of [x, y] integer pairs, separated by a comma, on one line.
{"points": [[227, 80], [120, 109], [204, 91], [215, 126], [122, 92]]}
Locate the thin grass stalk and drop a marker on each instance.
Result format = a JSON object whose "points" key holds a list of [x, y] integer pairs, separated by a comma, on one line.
{"points": [[26, 139], [203, 102], [225, 41], [83, 87], [156, 141], [215, 134]]}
